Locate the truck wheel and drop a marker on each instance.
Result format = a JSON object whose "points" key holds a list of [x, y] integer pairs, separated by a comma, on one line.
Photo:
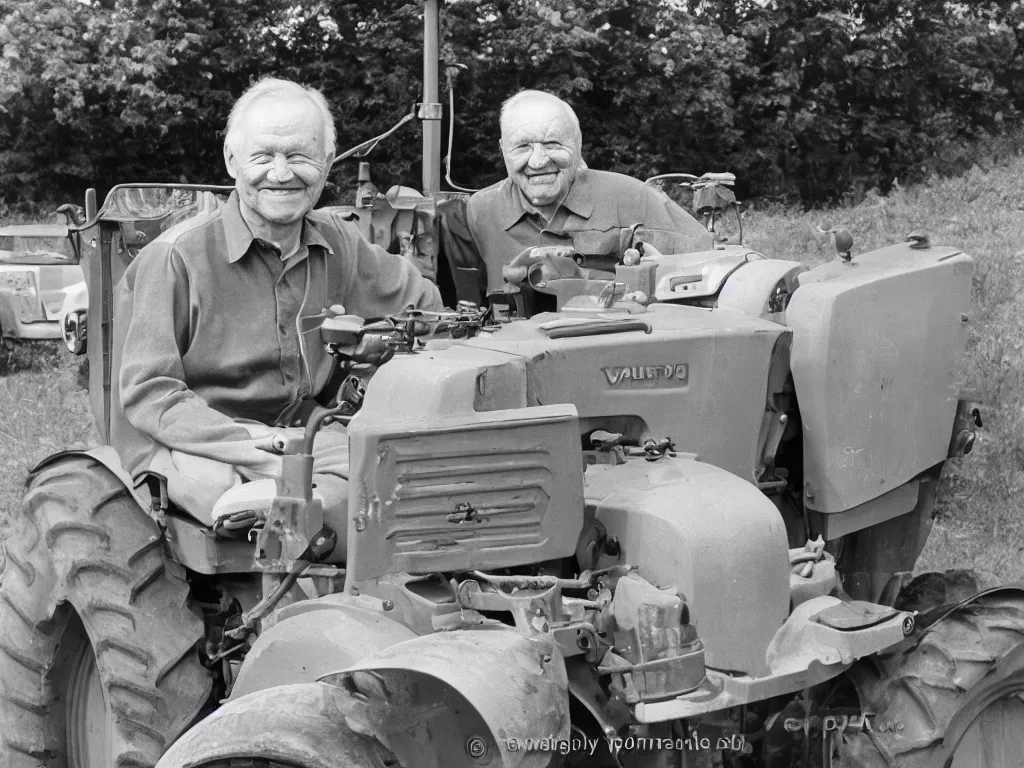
{"points": [[288, 726], [956, 699], [99, 665]]}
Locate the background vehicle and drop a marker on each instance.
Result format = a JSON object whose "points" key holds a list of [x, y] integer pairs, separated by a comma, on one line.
{"points": [[600, 523], [37, 270]]}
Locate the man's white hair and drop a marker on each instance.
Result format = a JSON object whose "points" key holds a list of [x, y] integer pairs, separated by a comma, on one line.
{"points": [[513, 101], [530, 95], [269, 87]]}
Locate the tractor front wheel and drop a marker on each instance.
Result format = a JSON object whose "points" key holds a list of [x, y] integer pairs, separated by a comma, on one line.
{"points": [[955, 699], [99, 665]]}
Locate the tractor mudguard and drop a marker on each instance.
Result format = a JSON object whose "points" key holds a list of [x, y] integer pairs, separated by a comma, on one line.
{"points": [[752, 290], [466, 697], [712, 535], [300, 725], [312, 638], [108, 457]]}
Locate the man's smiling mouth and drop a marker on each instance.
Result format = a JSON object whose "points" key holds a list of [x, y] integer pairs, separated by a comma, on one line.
{"points": [[541, 178]]}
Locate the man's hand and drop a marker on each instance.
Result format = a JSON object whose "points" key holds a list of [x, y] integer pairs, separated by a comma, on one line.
{"points": [[648, 251], [633, 256]]}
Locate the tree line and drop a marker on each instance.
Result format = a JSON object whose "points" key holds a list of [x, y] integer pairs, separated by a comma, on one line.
{"points": [[799, 98]]}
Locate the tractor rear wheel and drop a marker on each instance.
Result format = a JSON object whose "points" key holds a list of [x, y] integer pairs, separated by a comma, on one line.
{"points": [[99, 666], [956, 698]]}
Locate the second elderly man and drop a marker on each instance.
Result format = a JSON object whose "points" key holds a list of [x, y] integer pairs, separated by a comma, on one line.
{"points": [[217, 350], [551, 198]]}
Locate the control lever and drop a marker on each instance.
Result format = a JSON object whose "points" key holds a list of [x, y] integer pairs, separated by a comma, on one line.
{"points": [[319, 548]]}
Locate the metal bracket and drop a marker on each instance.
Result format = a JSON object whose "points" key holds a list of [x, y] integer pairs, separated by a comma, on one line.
{"points": [[429, 111]]}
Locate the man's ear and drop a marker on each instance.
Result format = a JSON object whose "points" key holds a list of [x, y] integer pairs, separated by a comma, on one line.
{"points": [[230, 160]]}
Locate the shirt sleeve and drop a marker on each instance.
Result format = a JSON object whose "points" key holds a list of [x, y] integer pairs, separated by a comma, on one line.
{"points": [[380, 283], [669, 228], [154, 396]]}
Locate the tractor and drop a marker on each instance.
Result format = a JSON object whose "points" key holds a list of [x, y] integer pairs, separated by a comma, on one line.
{"points": [[672, 522]]}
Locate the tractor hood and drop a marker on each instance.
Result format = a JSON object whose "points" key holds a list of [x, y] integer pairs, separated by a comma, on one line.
{"points": [[694, 375]]}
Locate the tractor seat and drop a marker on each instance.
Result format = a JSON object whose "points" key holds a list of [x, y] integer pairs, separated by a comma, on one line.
{"points": [[240, 508]]}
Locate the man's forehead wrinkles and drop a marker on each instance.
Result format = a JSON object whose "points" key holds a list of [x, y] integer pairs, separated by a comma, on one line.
{"points": [[546, 128], [280, 117], [281, 139]]}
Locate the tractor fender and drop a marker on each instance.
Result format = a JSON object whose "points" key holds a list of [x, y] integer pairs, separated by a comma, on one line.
{"points": [[469, 696], [711, 534], [749, 289], [108, 457], [300, 725], [312, 638]]}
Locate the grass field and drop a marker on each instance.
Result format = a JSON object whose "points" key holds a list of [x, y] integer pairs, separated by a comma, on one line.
{"points": [[979, 524]]}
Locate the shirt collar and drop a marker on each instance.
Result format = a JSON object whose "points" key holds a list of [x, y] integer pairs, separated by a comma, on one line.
{"points": [[240, 238], [579, 201]]}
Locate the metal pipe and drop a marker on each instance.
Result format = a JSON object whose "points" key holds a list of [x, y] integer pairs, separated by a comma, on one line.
{"points": [[431, 104]]}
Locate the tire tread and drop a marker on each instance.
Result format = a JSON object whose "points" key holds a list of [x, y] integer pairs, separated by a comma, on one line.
{"points": [[913, 696], [82, 540]]}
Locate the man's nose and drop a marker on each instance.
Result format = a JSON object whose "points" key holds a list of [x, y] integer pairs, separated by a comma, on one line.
{"points": [[281, 171], [539, 157]]}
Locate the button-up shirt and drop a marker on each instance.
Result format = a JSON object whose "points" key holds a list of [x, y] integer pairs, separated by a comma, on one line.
{"points": [[595, 218], [217, 328]]}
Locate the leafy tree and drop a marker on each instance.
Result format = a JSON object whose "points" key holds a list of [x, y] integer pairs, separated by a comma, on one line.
{"points": [[813, 97]]}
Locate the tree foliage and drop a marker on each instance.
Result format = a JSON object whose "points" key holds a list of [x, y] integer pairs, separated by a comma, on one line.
{"points": [[807, 97]]}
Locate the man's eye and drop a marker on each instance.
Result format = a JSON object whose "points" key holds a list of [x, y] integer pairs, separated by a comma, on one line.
{"points": [[552, 145]]}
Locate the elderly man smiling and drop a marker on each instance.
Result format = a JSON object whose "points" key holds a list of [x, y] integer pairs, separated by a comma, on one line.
{"points": [[551, 198], [216, 350]]}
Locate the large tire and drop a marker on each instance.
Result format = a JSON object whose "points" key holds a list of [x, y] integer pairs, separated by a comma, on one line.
{"points": [[927, 700], [86, 586]]}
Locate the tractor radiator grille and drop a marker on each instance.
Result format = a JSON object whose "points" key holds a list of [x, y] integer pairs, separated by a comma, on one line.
{"points": [[502, 489], [508, 494]]}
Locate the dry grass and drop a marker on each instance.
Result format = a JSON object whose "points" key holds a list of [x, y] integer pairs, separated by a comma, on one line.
{"points": [[44, 409], [979, 523]]}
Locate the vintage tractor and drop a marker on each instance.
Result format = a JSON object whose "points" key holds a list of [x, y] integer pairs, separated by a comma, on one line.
{"points": [[633, 532], [670, 523]]}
